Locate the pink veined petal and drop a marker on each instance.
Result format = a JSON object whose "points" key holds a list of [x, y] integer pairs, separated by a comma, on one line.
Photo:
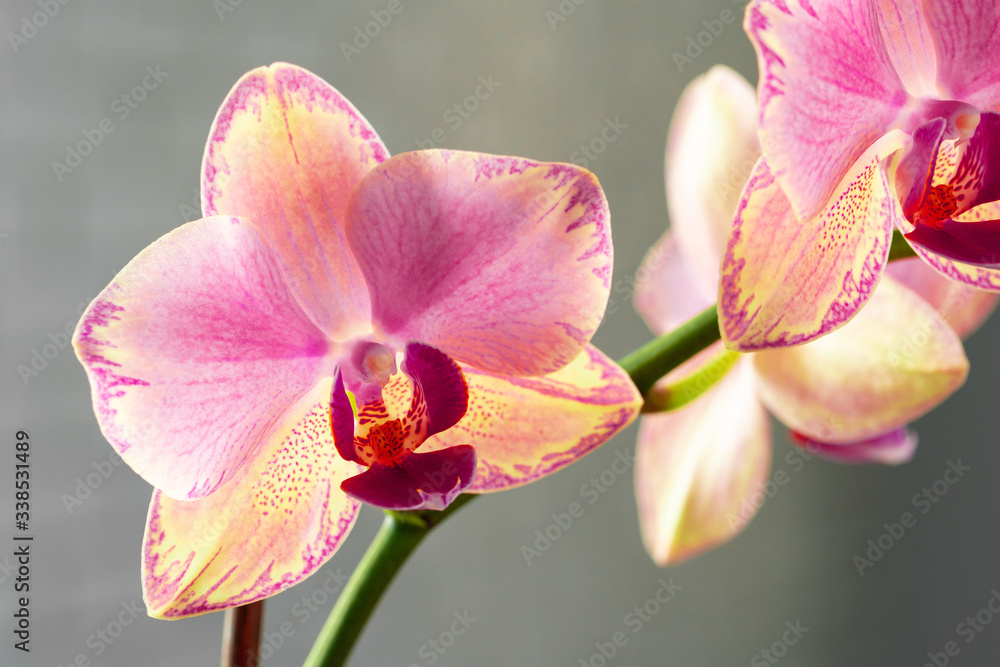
{"points": [[285, 151], [827, 91], [787, 281], [422, 480], [965, 308], [667, 290], [892, 363], [524, 428], [909, 44], [502, 263], [979, 277], [194, 351], [276, 522], [698, 468], [967, 40], [711, 149], [890, 448]]}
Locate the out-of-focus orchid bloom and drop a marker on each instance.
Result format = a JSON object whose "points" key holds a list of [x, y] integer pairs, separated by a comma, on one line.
{"points": [[874, 115], [452, 294], [846, 396]]}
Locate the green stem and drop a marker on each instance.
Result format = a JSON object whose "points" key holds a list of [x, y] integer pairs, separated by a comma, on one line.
{"points": [[900, 248], [661, 355], [399, 535]]}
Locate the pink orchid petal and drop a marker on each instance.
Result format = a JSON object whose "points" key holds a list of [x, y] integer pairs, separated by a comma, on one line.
{"points": [[526, 428], [969, 243], [342, 420], [978, 172], [916, 167], [828, 90], [275, 523], [910, 45], [890, 448], [698, 468], [892, 363], [187, 378], [967, 40], [285, 152], [786, 281], [975, 276], [965, 308], [711, 149], [423, 480], [502, 263], [667, 290], [441, 392]]}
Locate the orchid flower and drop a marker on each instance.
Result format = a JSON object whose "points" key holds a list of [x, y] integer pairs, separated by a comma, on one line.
{"points": [[874, 115], [846, 396], [448, 297]]}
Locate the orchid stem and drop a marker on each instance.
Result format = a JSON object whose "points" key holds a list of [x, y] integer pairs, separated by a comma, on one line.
{"points": [[663, 354], [399, 535], [241, 635]]}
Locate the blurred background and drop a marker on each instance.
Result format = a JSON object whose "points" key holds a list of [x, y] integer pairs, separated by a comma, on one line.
{"points": [[562, 71]]}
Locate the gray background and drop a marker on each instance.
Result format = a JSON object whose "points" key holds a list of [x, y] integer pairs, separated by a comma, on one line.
{"points": [[63, 241]]}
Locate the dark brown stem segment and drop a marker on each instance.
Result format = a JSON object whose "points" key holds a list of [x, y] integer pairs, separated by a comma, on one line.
{"points": [[241, 635]]}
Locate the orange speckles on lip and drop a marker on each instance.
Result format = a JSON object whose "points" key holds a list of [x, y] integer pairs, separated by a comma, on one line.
{"points": [[383, 444], [939, 204]]}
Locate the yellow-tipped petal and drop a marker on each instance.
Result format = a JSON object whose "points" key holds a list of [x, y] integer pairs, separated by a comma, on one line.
{"points": [[891, 364], [278, 521], [524, 428]]}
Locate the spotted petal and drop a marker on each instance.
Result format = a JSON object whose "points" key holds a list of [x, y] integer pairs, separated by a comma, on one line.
{"points": [[698, 468], [526, 428], [275, 523], [787, 281], [285, 152], [502, 263], [892, 363], [188, 379]]}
